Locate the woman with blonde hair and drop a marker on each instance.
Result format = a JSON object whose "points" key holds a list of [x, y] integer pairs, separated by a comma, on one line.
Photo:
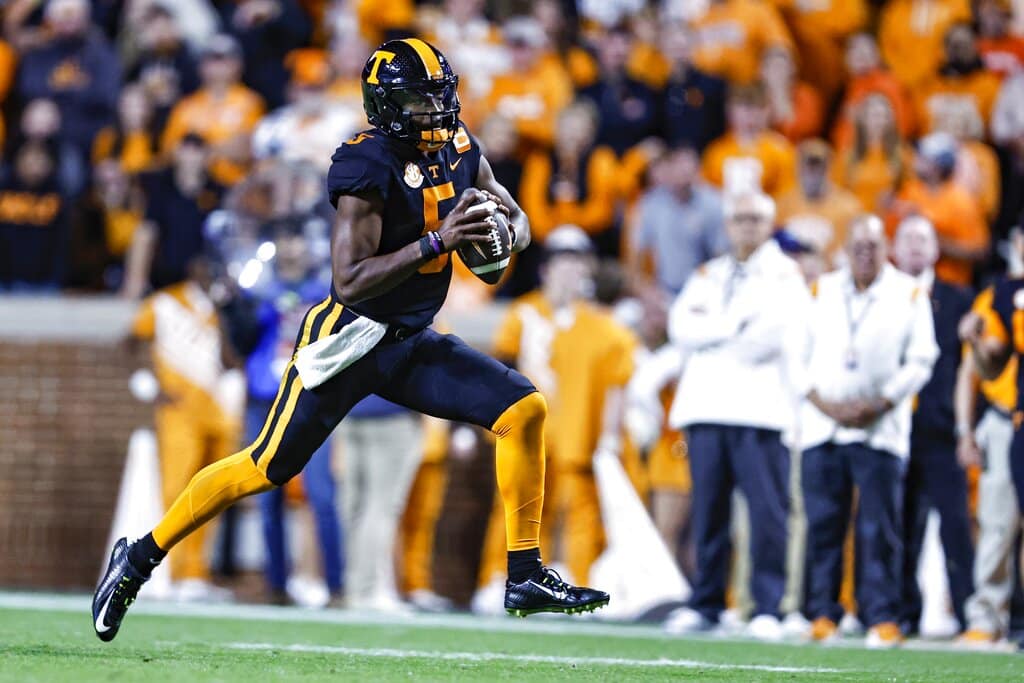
{"points": [[878, 158]]}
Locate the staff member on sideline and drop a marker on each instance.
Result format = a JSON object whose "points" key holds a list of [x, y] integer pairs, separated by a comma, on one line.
{"points": [[935, 480], [993, 339], [871, 348], [734, 319]]}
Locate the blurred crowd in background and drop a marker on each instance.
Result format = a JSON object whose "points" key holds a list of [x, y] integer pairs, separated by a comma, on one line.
{"points": [[176, 151]]}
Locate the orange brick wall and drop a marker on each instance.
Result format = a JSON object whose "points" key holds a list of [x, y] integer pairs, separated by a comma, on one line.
{"points": [[65, 419]]}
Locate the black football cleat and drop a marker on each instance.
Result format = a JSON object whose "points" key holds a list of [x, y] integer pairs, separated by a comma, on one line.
{"points": [[115, 592], [545, 591]]}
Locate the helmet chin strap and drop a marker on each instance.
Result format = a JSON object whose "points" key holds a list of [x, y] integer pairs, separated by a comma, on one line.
{"points": [[430, 143]]}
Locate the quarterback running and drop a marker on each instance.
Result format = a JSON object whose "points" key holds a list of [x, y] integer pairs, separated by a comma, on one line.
{"points": [[408, 191]]}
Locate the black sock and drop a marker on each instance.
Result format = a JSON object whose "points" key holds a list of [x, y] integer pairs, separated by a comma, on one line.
{"points": [[145, 554], [522, 564]]}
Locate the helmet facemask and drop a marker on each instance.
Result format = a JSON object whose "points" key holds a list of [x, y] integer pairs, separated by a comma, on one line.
{"points": [[424, 113]]}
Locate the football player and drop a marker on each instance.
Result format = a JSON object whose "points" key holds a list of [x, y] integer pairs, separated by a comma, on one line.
{"points": [[403, 190]]}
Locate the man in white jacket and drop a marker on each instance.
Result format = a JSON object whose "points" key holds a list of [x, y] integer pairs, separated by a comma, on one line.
{"points": [[737, 319], [871, 349]]}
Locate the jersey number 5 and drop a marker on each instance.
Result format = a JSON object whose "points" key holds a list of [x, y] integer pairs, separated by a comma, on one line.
{"points": [[432, 196]]}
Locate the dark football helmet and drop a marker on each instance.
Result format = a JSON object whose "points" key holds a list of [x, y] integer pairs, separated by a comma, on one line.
{"points": [[409, 93]]}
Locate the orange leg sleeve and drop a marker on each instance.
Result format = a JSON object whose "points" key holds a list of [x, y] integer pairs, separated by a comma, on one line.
{"points": [[520, 468]]}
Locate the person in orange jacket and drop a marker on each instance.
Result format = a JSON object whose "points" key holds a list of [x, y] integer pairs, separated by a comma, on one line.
{"points": [[749, 154], [911, 33], [733, 35], [867, 76], [959, 223], [963, 77], [877, 159], [1000, 49], [797, 109], [573, 184]]}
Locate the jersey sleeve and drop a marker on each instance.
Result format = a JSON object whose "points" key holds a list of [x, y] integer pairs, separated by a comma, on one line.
{"points": [[358, 166]]}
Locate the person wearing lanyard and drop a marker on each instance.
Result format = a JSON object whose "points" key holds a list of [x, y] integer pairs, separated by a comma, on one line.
{"points": [[869, 348], [734, 320], [935, 480]]}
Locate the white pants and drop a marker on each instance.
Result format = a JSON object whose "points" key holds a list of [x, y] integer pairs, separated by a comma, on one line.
{"points": [[381, 456], [998, 521]]}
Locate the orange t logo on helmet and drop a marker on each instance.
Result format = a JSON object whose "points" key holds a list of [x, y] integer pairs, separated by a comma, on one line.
{"points": [[379, 57]]}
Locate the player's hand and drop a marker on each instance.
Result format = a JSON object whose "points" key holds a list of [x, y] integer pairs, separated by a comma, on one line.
{"points": [[971, 328], [497, 200], [462, 226], [968, 453]]}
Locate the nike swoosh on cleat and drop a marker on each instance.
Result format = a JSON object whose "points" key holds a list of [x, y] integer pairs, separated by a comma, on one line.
{"points": [[557, 595], [101, 627], [453, 165]]}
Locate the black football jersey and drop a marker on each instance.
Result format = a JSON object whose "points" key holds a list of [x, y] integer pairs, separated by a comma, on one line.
{"points": [[1008, 305], [418, 190]]}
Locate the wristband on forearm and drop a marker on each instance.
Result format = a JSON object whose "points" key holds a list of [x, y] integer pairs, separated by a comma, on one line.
{"points": [[431, 246], [436, 243]]}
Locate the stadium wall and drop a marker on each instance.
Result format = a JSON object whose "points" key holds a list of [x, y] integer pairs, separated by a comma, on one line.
{"points": [[66, 415]]}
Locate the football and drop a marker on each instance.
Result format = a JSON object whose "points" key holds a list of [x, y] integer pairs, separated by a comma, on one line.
{"points": [[488, 260]]}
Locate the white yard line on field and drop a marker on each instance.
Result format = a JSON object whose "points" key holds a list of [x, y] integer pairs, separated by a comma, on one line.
{"points": [[390, 653]]}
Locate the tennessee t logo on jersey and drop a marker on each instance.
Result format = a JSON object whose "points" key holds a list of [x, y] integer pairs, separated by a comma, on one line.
{"points": [[380, 56]]}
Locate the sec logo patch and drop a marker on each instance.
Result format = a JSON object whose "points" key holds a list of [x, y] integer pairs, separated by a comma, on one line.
{"points": [[1018, 299], [413, 175]]}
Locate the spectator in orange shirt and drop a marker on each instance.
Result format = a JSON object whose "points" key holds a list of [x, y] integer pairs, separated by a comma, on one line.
{"points": [[533, 90], [562, 31], [962, 77], [816, 195], [379, 21], [130, 141], [733, 35], [575, 183], [820, 31], [647, 63], [977, 166], [867, 75], [750, 155], [961, 228], [911, 34], [1001, 50], [873, 166], [797, 110], [223, 112], [116, 203]]}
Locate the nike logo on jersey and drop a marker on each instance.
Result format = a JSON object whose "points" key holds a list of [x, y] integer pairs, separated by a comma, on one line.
{"points": [[454, 164]]}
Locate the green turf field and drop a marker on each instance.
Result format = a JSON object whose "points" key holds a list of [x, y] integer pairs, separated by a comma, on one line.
{"points": [[47, 638]]}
